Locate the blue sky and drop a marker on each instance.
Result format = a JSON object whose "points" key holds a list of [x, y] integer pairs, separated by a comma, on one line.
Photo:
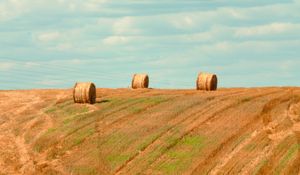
{"points": [[54, 43]]}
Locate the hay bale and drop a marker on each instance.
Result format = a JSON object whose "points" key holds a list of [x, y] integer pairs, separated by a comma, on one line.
{"points": [[140, 81], [84, 93], [207, 81]]}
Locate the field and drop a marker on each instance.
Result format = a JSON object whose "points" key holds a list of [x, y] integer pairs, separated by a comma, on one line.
{"points": [[151, 131]]}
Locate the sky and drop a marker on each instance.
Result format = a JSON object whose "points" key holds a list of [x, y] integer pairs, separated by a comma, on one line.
{"points": [[55, 43]]}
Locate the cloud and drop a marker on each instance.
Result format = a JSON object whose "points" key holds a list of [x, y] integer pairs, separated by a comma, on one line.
{"points": [[31, 64], [269, 29], [255, 49], [115, 40], [6, 66], [93, 5], [183, 22], [48, 36], [10, 9], [125, 26], [49, 82]]}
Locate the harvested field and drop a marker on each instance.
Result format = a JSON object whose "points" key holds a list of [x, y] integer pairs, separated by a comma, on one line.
{"points": [[151, 131]]}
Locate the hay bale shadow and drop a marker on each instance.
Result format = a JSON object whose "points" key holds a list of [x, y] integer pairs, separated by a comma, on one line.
{"points": [[102, 101]]}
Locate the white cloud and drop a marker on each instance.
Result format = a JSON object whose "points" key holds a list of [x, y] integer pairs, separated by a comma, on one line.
{"points": [[115, 40], [31, 64], [49, 82], [48, 36], [269, 29], [64, 46], [234, 13], [93, 5], [11, 8], [6, 66], [125, 26], [231, 51], [76, 61], [183, 22]]}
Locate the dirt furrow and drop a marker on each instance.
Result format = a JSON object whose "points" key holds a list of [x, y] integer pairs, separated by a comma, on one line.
{"points": [[230, 155]]}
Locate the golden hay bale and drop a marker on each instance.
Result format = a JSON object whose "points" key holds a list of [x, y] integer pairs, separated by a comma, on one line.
{"points": [[84, 93], [207, 81], [140, 81]]}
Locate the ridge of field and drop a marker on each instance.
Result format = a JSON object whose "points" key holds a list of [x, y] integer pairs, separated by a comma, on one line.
{"points": [[151, 131]]}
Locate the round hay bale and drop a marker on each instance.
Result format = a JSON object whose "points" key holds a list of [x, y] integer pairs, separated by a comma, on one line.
{"points": [[84, 93], [207, 81], [140, 81]]}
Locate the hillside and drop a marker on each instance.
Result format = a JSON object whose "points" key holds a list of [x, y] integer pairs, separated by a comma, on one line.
{"points": [[151, 131]]}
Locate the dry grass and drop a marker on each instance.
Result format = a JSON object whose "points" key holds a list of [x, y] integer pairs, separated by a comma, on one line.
{"points": [[152, 132]]}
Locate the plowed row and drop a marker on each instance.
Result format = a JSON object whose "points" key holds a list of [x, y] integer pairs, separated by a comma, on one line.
{"points": [[151, 131]]}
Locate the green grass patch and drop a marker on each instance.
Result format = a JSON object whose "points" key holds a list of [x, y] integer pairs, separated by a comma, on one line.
{"points": [[56, 107], [180, 157], [136, 109], [66, 109], [50, 131], [156, 99], [117, 159], [194, 141], [250, 147], [155, 154], [73, 140], [148, 140], [283, 145], [259, 166], [83, 170], [44, 142], [147, 101], [171, 167], [82, 135], [115, 148], [51, 110], [287, 157], [113, 139]]}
